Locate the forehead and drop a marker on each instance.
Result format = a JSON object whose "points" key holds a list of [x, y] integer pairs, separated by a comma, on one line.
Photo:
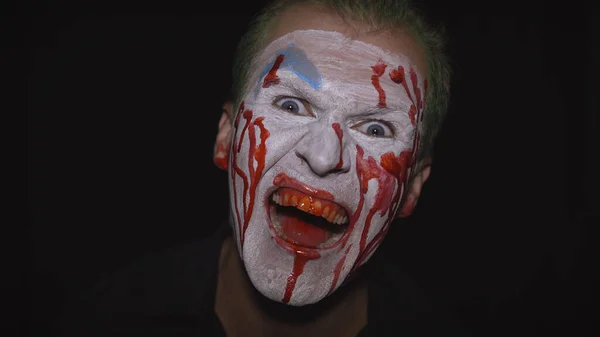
{"points": [[341, 70], [307, 17], [312, 53]]}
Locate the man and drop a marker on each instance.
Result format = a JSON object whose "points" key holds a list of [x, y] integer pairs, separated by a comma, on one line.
{"points": [[328, 140]]}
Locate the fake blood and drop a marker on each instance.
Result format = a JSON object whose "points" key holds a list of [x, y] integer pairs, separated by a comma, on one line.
{"points": [[413, 79], [337, 271], [255, 154], [390, 173], [283, 180], [298, 230], [340, 133], [378, 71], [238, 171], [299, 263], [301, 256], [390, 166], [398, 76], [272, 77]]}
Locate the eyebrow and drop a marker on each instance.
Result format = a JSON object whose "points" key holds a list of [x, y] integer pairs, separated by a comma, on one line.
{"points": [[301, 91]]}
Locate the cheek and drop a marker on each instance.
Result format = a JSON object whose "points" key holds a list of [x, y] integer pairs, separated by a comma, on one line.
{"points": [[390, 172], [247, 165]]}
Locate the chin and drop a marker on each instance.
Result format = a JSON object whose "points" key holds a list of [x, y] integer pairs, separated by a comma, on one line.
{"points": [[298, 245]]}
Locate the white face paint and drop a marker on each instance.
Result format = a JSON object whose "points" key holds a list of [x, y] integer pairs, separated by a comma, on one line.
{"points": [[328, 127]]}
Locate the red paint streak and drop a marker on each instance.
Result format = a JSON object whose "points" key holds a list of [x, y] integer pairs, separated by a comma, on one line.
{"points": [[299, 262], [370, 248], [272, 77], [390, 174], [283, 180], [222, 157], [392, 171], [337, 271], [397, 165], [255, 153], [340, 133], [416, 145], [368, 169], [378, 71], [258, 154], [415, 83], [238, 171], [239, 114], [247, 116], [301, 256], [411, 113], [398, 76]]}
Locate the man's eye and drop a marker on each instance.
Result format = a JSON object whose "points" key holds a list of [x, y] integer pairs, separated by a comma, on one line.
{"points": [[375, 129], [293, 105]]}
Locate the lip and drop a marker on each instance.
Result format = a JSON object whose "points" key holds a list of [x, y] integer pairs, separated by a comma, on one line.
{"points": [[283, 181]]}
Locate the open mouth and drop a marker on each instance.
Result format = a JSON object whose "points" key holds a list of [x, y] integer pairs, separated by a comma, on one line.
{"points": [[306, 221]]}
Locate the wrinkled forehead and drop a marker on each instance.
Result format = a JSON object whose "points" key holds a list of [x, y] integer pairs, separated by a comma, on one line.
{"points": [[316, 56]]}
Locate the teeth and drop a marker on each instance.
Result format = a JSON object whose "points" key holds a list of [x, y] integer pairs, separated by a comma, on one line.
{"points": [[276, 198], [340, 219], [332, 216], [314, 207]]}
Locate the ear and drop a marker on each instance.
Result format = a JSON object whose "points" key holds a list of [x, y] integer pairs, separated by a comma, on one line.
{"points": [[223, 140], [414, 189]]}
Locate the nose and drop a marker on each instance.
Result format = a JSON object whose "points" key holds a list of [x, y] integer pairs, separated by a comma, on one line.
{"points": [[323, 149]]}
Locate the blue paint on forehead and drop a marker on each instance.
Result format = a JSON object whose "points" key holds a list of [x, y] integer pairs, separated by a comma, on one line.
{"points": [[296, 60]]}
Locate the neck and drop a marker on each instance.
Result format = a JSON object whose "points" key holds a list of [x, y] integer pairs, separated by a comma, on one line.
{"points": [[330, 316]]}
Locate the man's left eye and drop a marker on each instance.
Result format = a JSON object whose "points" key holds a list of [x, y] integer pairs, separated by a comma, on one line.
{"points": [[375, 129], [292, 105]]}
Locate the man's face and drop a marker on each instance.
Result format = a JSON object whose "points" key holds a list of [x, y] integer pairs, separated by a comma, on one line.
{"points": [[323, 145]]}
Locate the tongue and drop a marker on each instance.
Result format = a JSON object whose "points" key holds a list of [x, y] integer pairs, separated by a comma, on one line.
{"points": [[301, 232]]}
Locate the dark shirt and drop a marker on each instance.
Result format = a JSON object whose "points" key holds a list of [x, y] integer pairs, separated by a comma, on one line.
{"points": [[173, 294]]}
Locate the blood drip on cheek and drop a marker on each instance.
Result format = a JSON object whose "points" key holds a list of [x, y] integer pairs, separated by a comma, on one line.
{"points": [[391, 166], [256, 153], [338, 270], [390, 174]]}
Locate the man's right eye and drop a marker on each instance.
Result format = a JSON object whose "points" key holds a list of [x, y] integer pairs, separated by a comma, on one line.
{"points": [[294, 106]]}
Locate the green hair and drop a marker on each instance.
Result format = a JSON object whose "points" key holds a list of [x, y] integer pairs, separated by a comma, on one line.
{"points": [[375, 14]]}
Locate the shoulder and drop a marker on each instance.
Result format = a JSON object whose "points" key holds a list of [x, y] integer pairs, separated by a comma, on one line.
{"points": [[168, 286]]}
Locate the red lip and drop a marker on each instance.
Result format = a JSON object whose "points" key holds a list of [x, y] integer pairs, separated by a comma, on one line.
{"points": [[284, 181]]}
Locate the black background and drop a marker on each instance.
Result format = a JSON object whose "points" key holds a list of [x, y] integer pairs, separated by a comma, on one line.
{"points": [[123, 106]]}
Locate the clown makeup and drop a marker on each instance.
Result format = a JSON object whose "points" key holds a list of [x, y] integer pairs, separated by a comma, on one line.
{"points": [[323, 145]]}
